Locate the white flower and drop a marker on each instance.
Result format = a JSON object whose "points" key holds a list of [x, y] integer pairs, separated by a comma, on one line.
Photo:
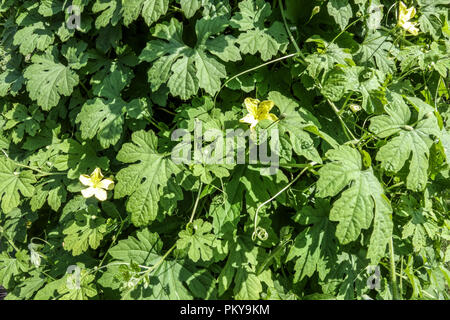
{"points": [[406, 14], [97, 186]]}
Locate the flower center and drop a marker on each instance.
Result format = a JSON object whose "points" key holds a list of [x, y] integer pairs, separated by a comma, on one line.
{"points": [[96, 181]]}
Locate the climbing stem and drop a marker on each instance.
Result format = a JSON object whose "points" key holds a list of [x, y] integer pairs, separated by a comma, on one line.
{"points": [[345, 30], [347, 131], [392, 270], [255, 231], [280, 2], [9, 241], [112, 243], [42, 173], [196, 203], [253, 69]]}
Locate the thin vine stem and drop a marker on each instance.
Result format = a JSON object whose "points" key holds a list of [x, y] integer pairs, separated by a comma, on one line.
{"points": [[345, 29], [253, 69], [122, 223], [196, 203], [255, 230], [294, 43], [392, 269], [347, 131], [42, 173]]}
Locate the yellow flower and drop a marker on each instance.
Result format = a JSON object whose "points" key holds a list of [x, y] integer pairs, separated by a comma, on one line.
{"points": [[97, 185], [406, 14], [258, 111], [354, 107]]}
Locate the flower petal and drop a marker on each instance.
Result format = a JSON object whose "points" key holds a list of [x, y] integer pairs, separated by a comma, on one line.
{"points": [[411, 27], [406, 14], [100, 194], [265, 106], [248, 118], [272, 117], [251, 105], [97, 174], [86, 180], [88, 192], [410, 13], [402, 10], [106, 184]]}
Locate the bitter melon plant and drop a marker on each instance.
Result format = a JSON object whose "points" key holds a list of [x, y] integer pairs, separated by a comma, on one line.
{"points": [[232, 149]]}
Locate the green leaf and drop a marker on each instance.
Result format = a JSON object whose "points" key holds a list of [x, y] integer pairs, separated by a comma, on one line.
{"points": [[341, 11], [171, 280], [190, 7], [11, 79], [143, 249], [355, 208], [130, 10], [431, 15], [198, 239], [369, 83], [152, 10], [347, 279], [315, 247], [209, 72], [103, 119], [185, 69], [79, 158], [52, 190], [326, 57], [240, 269], [111, 12], [334, 86], [47, 80], [184, 81], [259, 188], [48, 8], [83, 291], [75, 54], [111, 80], [420, 228], [383, 227], [377, 49], [249, 286], [84, 229], [23, 120], [49, 291], [225, 209], [295, 121], [257, 38], [11, 267], [34, 36], [408, 142], [224, 47], [28, 287], [145, 180], [15, 224], [13, 180]]}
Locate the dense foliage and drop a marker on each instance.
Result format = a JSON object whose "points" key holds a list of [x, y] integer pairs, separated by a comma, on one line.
{"points": [[91, 91]]}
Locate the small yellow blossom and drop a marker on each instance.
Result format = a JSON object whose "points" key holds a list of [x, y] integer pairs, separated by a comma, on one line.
{"points": [[354, 107], [406, 14], [258, 111], [97, 186]]}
